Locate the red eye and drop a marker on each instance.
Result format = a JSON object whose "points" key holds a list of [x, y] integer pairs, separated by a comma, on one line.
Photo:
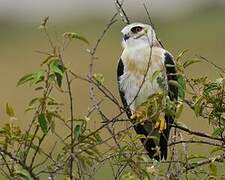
{"points": [[136, 29]]}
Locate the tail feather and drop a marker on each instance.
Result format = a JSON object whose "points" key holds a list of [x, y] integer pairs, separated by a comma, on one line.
{"points": [[150, 144], [165, 137]]}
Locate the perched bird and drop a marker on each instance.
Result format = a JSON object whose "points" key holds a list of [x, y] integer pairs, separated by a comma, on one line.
{"points": [[144, 70]]}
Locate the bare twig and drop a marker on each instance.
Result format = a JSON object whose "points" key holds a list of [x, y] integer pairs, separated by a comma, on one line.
{"points": [[71, 116], [212, 63], [119, 6], [196, 142], [201, 134], [219, 158], [149, 16], [7, 165], [17, 160], [37, 149]]}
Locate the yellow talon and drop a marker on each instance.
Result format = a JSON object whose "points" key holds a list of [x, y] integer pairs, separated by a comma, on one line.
{"points": [[157, 125], [160, 124], [136, 114]]}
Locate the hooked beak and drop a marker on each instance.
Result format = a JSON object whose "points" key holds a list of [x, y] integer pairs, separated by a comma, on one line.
{"points": [[126, 37]]}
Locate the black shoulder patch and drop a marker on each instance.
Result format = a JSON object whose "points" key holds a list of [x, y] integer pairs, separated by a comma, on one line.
{"points": [[120, 71], [120, 68]]}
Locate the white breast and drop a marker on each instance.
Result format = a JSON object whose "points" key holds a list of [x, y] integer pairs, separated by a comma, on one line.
{"points": [[135, 62]]}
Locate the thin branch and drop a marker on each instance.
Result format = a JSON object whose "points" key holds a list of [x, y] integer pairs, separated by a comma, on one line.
{"points": [[37, 150], [201, 134], [7, 164], [119, 6], [29, 170], [152, 24], [219, 158], [196, 142], [149, 16], [111, 22], [212, 63], [3, 172], [103, 89], [71, 117]]}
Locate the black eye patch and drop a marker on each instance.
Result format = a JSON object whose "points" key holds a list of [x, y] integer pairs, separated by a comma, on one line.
{"points": [[136, 29]]}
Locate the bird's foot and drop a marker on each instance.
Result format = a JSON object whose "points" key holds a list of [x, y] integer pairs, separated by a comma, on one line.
{"points": [[160, 124], [136, 115]]}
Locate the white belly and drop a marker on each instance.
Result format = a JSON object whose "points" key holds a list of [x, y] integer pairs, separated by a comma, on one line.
{"points": [[131, 82]]}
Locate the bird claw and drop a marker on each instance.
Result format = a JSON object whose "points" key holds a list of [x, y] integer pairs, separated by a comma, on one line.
{"points": [[160, 124], [136, 115]]}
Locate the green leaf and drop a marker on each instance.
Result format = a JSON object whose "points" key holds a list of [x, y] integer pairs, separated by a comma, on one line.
{"points": [[38, 88], [215, 150], [33, 78], [33, 101], [2, 131], [25, 79], [213, 169], [147, 175], [210, 87], [77, 131], [198, 105], [128, 176], [98, 138], [182, 86], [72, 35], [58, 70], [217, 132], [220, 81], [47, 59], [43, 123], [179, 109], [57, 67], [38, 77], [99, 78], [52, 126], [155, 75], [23, 174], [196, 156], [139, 136], [190, 62], [29, 108], [181, 54], [9, 110]]}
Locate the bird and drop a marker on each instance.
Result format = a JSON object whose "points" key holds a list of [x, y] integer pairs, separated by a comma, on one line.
{"points": [[144, 72]]}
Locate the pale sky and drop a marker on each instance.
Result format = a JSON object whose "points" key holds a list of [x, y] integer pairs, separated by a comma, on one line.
{"points": [[36, 8]]}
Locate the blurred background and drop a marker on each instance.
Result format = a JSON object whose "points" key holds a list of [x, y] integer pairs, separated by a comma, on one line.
{"points": [[188, 24]]}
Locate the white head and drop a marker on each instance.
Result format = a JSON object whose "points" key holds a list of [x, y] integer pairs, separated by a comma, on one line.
{"points": [[137, 34]]}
